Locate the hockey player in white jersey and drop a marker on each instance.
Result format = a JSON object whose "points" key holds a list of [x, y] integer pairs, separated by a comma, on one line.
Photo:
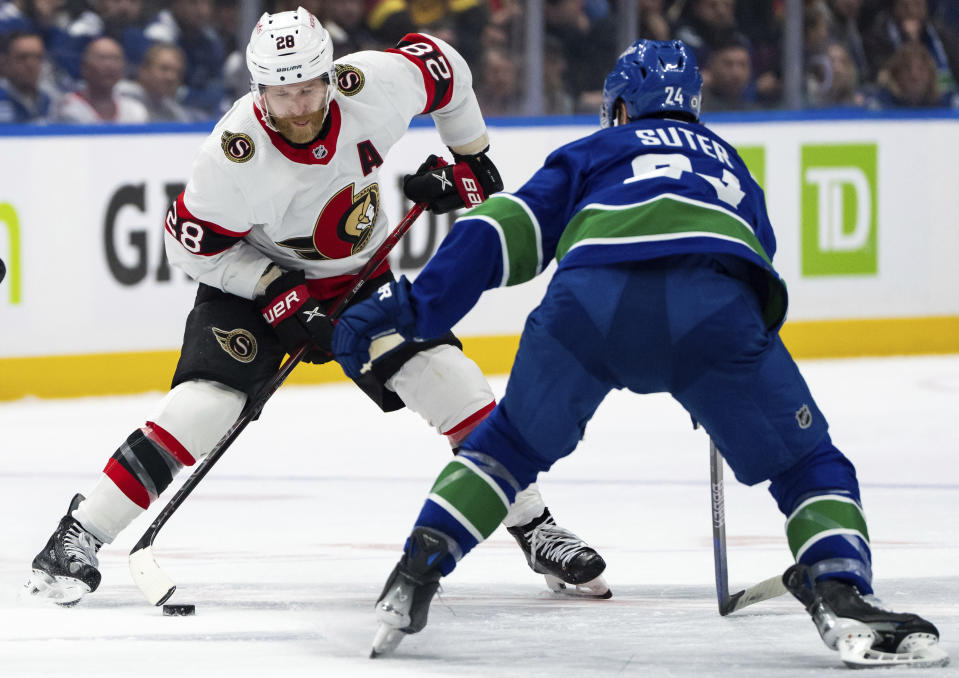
{"points": [[281, 212]]}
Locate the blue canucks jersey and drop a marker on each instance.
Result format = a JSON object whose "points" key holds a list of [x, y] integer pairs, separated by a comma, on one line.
{"points": [[644, 190]]}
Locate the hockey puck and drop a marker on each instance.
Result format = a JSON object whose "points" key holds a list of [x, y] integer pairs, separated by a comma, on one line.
{"points": [[178, 610]]}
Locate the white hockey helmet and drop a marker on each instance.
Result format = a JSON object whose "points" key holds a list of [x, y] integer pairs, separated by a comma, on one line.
{"points": [[286, 48]]}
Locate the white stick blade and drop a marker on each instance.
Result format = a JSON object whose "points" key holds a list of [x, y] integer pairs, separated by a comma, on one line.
{"points": [[148, 576]]}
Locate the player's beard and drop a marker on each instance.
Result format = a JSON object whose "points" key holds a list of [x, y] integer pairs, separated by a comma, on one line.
{"points": [[302, 133]]}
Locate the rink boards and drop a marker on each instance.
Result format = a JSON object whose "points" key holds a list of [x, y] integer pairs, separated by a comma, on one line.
{"points": [[864, 211]]}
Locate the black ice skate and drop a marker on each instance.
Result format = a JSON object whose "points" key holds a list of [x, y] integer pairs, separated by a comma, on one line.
{"points": [[66, 569], [562, 557], [404, 604], [865, 633]]}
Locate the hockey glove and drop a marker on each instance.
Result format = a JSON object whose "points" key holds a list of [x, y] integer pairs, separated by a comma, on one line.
{"points": [[387, 311], [296, 317], [444, 188]]}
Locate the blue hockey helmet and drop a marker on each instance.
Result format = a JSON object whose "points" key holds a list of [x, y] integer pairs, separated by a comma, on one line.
{"points": [[653, 77]]}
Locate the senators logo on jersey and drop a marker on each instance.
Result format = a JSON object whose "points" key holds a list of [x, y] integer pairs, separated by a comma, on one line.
{"points": [[349, 79], [344, 226], [237, 146]]}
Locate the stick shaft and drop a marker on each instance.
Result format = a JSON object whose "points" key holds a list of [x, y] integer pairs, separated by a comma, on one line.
{"points": [[764, 590], [718, 506]]}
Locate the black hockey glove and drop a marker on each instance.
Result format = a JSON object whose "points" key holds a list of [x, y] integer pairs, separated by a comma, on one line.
{"points": [[297, 318], [467, 183]]}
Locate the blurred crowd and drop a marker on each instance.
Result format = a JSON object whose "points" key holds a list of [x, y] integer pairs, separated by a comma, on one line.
{"points": [[130, 61]]}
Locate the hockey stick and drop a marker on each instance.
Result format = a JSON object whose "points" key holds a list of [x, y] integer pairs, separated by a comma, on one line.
{"points": [[152, 581], [764, 590]]}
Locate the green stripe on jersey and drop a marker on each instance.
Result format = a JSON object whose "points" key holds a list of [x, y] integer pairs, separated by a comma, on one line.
{"points": [[471, 494], [518, 232], [821, 517], [664, 218]]}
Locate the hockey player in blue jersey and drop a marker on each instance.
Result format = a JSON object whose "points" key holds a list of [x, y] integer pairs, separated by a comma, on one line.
{"points": [[664, 284]]}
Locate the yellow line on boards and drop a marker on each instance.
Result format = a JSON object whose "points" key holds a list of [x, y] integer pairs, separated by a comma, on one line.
{"points": [[72, 376]]}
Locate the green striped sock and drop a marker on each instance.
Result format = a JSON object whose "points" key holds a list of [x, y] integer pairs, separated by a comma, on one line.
{"points": [[471, 497], [824, 516]]}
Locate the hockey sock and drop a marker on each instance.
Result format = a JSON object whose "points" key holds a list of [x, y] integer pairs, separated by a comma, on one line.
{"points": [[145, 464], [468, 501], [828, 533]]}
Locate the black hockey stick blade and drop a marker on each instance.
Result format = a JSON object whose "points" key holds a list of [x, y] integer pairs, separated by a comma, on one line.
{"points": [[156, 586]]}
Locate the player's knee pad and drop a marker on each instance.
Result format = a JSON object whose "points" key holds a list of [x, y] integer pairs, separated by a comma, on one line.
{"points": [[444, 387], [194, 415]]}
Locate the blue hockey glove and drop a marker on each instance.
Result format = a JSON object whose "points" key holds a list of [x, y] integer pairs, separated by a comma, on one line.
{"points": [[387, 311]]}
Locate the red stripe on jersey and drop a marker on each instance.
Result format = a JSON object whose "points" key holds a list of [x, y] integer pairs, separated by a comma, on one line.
{"points": [[458, 433], [320, 152], [129, 485], [326, 289], [165, 439], [435, 68]]}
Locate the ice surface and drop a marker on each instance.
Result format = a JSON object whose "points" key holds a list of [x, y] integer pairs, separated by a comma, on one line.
{"points": [[285, 545]]}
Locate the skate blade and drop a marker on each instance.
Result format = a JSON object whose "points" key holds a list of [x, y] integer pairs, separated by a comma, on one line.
{"points": [[594, 588], [386, 640], [918, 650], [64, 591]]}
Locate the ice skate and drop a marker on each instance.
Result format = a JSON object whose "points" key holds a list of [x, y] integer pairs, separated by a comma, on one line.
{"points": [[569, 564], [66, 569], [865, 633], [404, 604]]}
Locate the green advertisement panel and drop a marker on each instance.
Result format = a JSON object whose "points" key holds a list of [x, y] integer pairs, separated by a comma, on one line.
{"points": [[839, 232], [755, 159], [10, 226]]}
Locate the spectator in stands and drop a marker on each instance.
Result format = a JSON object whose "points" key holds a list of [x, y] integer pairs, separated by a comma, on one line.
{"points": [[498, 91], [189, 24], [653, 24], [588, 49], [847, 19], [558, 99], [727, 75], [97, 100], [44, 17], [159, 78], [121, 20], [23, 97], [833, 79], [461, 21], [345, 21], [909, 79], [705, 22], [908, 21], [504, 22]]}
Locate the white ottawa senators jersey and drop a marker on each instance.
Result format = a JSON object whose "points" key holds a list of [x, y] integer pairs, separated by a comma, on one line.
{"points": [[254, 198]]}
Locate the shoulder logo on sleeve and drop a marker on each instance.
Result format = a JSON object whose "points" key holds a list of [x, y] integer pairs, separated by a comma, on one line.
{"points": [[237, 146], [349, 79], [240, 344]]}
